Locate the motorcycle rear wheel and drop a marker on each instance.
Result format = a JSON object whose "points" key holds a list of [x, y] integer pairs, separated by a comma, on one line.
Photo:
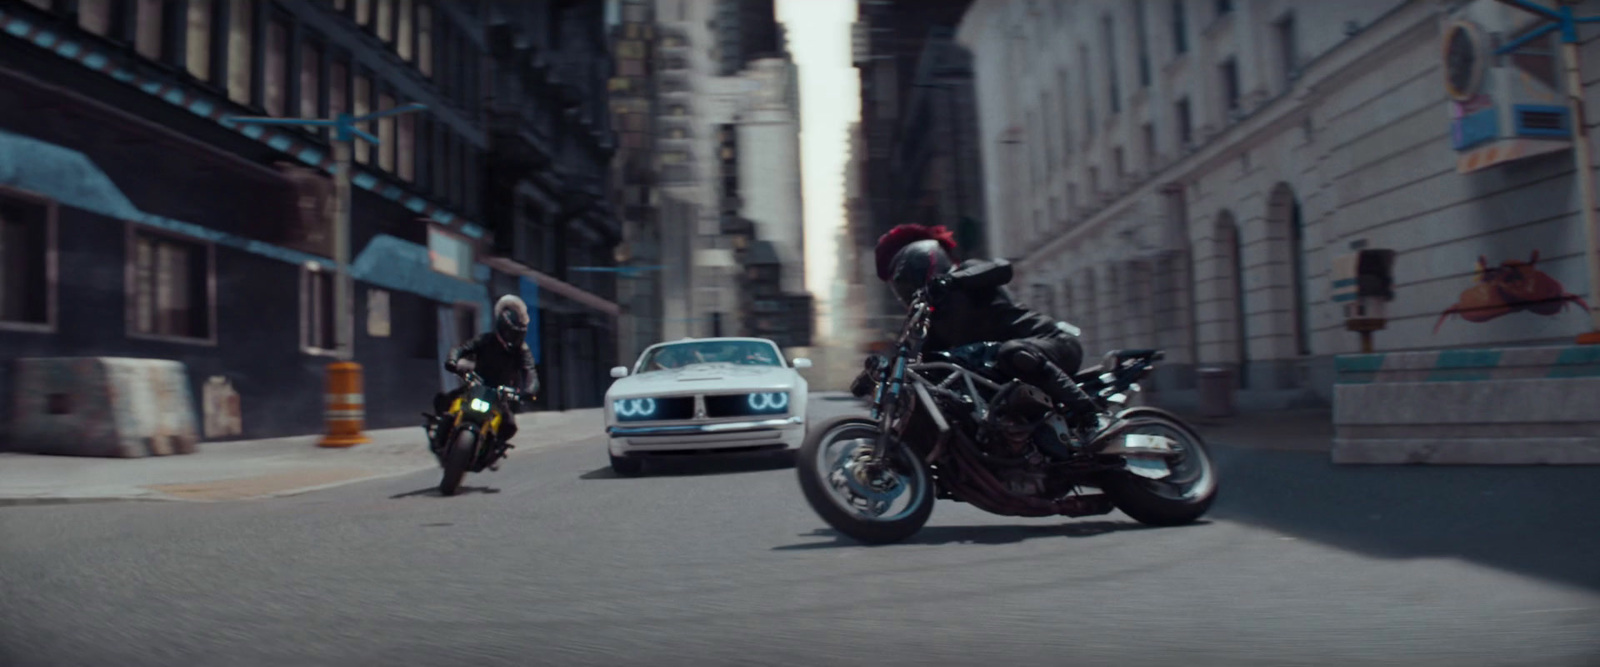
{"points": [[824, 459], [1180, 499], [457, 461]]}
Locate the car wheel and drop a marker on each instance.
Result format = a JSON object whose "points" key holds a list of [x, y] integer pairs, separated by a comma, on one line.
{"points": [[626, 467]]}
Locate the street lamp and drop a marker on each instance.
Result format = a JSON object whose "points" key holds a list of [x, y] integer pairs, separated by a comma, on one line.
{"points": [[1562, 19], [345, 133]]}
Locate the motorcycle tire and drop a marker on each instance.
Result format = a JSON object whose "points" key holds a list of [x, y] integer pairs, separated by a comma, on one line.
{"points": [[457, 461], [1137, 497], [818, 491]]}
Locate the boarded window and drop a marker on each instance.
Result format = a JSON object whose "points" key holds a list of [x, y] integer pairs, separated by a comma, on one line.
{"points": [[170, 287], [24, 253], [147, 28], [241, 22], [275, 69]]}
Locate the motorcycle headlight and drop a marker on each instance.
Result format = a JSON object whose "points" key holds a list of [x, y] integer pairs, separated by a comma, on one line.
{"points": [[768, 402], [479, 405], [634, 408]]}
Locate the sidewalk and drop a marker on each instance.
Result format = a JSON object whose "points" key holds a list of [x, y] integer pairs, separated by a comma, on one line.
{"points": [[246, 469]]}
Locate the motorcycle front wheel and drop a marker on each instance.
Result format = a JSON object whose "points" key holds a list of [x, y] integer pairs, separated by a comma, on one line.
{"points": [[457, 461], [869, 506]]}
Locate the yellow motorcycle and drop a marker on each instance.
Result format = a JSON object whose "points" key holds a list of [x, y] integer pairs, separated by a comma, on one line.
{"points": [[474, 420]]}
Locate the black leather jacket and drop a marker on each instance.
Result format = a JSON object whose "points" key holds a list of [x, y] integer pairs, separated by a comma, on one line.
{"points": [[977, 308], [499, 365]]}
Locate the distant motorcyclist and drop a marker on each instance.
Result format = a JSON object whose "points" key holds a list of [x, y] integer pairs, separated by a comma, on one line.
{"points": [[972, 305], [502, 359]]}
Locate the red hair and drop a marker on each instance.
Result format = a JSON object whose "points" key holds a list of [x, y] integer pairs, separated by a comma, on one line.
{"points": [[896, 239]]}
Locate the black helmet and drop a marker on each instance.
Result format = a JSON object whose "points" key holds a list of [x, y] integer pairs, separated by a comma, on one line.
{"points": [[915, 266], [911, 256], [511, 319]]}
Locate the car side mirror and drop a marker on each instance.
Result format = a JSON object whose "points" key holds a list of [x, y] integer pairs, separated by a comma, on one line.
{"points": [[619, 372], [802, 362]]}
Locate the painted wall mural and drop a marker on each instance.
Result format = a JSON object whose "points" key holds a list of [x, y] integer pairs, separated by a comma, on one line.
{"points": [[1513, 286]]}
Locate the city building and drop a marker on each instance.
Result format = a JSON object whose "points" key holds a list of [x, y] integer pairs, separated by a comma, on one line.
{"points": [[634, 179], [140, 222], [1181, 174], [919, 129], [549, 199], [729, 156]]}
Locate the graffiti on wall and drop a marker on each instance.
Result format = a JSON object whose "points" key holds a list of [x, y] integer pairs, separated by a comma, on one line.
{"points": [[1513, 286]]}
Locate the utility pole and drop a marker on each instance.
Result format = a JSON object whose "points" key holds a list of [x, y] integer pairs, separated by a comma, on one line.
{"points": [[1563, 20], [345, 134]]}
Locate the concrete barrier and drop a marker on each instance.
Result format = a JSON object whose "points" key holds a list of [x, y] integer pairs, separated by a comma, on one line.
{"points": [[103, 406], [1510, 406]]}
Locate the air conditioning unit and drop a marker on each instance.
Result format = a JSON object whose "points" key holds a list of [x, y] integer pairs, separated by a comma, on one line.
{"points": [[1502, 107]]}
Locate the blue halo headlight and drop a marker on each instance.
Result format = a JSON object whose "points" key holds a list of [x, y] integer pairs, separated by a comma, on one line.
{"points": [[768, 402], [635, 408]]}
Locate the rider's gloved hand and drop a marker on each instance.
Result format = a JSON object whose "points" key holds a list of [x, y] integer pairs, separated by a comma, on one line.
{"points": [[862, 386], [938, 290]]}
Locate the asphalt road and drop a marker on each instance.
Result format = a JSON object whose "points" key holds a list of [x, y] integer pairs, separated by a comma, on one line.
{"points": [[553, 562]]}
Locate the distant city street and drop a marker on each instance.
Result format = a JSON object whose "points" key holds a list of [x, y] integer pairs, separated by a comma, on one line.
{"points": [[553, 561]]}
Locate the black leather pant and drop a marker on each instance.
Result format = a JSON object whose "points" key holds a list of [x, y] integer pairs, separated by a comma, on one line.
{"points": [[1046, 362]]}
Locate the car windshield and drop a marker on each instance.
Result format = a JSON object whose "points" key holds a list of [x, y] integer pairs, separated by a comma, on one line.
{"points": [[678, 355]]}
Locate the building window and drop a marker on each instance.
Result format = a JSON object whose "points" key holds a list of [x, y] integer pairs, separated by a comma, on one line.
{"points": [[425, 38], [241, 19], [1185, 129], [27, 262], [1230, 83], [197, 49], [363, 105], [147, 28], [1180, 28], [1119, 163], [1108, 28], [386, 142], [310, 82], [1064, 117], [1150, 147], [1223, 7], [317, 321], [275, 70], [169, 287], [1288, 50], [95, 16], [405, 146], [406, 33], [385, 27], [1088, 95], [449, 254], [1141, 38], [364, 12]]}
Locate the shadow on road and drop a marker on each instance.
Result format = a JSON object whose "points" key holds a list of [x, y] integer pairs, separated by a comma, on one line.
{"points": [[986, 534], [1533, 520], [433, 491], [710, 464]]}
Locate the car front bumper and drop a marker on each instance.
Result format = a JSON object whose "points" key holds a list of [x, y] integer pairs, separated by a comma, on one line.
{"points": [[779, 433]]}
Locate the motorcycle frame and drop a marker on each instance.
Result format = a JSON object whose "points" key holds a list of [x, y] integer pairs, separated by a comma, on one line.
{"points": [[904, 372]]}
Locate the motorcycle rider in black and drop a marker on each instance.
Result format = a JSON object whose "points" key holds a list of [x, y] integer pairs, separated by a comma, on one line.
{"points": [[502, 358], [972, 305]]}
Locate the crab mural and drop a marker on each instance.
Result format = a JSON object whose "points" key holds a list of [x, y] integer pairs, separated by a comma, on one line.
{"points": [[1513, 286]]}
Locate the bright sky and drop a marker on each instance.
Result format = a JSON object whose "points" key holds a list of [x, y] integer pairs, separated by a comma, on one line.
{"points": [[830, 99]]}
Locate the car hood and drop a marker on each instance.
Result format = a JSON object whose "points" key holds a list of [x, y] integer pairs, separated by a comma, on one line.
{"points": [[705, 377]]}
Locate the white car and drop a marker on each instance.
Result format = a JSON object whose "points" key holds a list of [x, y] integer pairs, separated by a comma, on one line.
{"points": [[704, 395]]}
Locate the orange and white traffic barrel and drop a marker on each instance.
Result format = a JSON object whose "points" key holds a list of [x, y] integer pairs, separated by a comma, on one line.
{"points": [[346, 411]]}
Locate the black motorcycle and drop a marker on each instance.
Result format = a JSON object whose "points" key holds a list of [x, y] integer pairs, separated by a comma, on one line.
{"points": [[474, 420], [946, 425]]}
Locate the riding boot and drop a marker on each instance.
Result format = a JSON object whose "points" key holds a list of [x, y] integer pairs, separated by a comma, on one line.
{"points": [[1065, 392]]}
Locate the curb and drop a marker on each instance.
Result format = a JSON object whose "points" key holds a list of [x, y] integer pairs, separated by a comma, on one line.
{"points": [[31, 501]]}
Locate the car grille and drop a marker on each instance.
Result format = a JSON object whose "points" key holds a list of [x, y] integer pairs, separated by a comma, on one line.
{"points": [[667, 409], [735, 405]]}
